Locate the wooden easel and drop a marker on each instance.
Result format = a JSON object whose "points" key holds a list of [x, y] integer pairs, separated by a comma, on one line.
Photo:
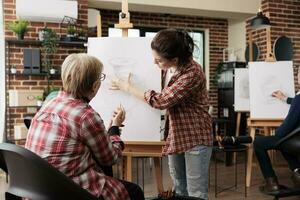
{"points": [[266, 124], [238, 122], [253, 124], [124, 19], [136, 148], [239, 113], [144, 149], [270, 55]]}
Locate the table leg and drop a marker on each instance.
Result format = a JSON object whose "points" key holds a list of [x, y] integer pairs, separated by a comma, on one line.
{"points": [[250, 158], [216, 175], [159, 183], [245, 172], [237, 132]]}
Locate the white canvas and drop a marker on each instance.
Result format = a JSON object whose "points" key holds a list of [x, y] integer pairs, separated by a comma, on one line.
{"points": [[120, 56], [264, 78], [241, 90]]}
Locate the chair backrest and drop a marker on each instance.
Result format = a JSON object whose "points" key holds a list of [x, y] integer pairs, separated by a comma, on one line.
{"points": [[27, 121], [290, 143], [34, 178], [2, 163]]}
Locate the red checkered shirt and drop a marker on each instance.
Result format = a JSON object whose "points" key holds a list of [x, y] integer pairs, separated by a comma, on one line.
{"points": [[70, 135], [185, 99]]}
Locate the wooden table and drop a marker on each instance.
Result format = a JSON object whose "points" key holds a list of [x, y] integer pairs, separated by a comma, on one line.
{"points": [[267, 124], [144, 149]]}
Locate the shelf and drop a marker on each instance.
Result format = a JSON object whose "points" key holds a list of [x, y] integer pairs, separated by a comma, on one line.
{"points": [[23, 106], [37, 42], [52, 76]]}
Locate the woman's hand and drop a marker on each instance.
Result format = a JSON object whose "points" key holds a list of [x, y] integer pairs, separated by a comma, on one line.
{"points": [[279, 95], [121, 84], [118, 116]]}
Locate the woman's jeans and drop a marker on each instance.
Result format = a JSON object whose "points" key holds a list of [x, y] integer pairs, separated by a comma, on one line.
{"points": [[190, 171], [261, 146]]}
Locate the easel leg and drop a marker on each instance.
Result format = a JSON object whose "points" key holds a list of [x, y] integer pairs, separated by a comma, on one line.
{"points": [[237, 132], [250, 158], [158, 177], [238, 123]]}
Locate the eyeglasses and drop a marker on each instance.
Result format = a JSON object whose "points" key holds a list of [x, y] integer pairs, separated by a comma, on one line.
{"points": [[102, 77]]}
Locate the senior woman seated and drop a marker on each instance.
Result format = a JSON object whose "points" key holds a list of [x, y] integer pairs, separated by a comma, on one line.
{"points": [[69, 134]]}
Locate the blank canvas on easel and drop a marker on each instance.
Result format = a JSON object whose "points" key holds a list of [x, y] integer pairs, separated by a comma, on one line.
{"points": [[265, 78], [121, 56], [241, 90]]}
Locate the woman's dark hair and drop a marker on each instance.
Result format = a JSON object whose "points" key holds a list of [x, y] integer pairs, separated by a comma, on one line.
{"points": [[173, 43]]}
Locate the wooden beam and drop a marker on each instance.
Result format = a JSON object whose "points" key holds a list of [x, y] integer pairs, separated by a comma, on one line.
{"points": [[270, 56], [99, 26], [124, 19]]}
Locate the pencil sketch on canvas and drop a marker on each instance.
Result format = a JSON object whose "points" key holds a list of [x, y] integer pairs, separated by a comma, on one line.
{"points": [[241, 90], [121, 56], [264, 79]]}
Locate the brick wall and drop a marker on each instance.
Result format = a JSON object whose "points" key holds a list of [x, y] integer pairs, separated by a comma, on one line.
{"points": [[15, 57], [285, 20], [218, 33]]}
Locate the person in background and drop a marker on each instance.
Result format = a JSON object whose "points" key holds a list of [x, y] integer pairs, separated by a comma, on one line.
{"points": [[264, 143], [69, 134], [188, 129]]}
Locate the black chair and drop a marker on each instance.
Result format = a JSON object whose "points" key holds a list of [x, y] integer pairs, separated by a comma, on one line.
{"points": [[27, 121], [291, 145], [2, 164], [34, 178]]}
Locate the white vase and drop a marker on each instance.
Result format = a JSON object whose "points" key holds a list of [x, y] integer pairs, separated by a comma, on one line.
{"points": [[13, 70], [52, 71], [39, 103]]}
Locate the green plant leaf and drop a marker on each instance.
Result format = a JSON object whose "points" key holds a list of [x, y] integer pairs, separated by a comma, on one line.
{"points": [[49, 46], [19, 26]]}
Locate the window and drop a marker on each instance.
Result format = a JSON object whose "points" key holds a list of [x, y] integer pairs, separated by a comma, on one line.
{"points": [[116, 32], [198, 54], [198, 37]]}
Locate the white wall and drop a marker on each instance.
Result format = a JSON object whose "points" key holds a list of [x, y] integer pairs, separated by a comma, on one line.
{"points": [[2, 74], [92, 17], [228, 9], [237, 37]]}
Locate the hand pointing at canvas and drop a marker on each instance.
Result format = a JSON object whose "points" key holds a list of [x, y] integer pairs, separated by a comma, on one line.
{"points": [[127, 86], [121, 84]]}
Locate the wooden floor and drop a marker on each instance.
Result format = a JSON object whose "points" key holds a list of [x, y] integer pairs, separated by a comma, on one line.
{"points": [[225, 178]]}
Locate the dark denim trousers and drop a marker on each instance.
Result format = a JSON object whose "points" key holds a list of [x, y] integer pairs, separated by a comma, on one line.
{"points": [[261, 146]]}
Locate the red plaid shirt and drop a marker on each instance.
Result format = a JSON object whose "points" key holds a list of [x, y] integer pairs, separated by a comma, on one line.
{"points": [[70, 135], [185, 99]]}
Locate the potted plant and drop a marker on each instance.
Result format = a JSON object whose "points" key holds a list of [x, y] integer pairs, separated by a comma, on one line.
{"points": [[20, 27], [49, 47], [71, 32], [42, 32], [39, 101], [52, 71], [13, 69], [82, 35], [218, 73]]}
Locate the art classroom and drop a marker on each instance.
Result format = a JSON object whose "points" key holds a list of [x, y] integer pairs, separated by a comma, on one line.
{"points": [[140, 99]]}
